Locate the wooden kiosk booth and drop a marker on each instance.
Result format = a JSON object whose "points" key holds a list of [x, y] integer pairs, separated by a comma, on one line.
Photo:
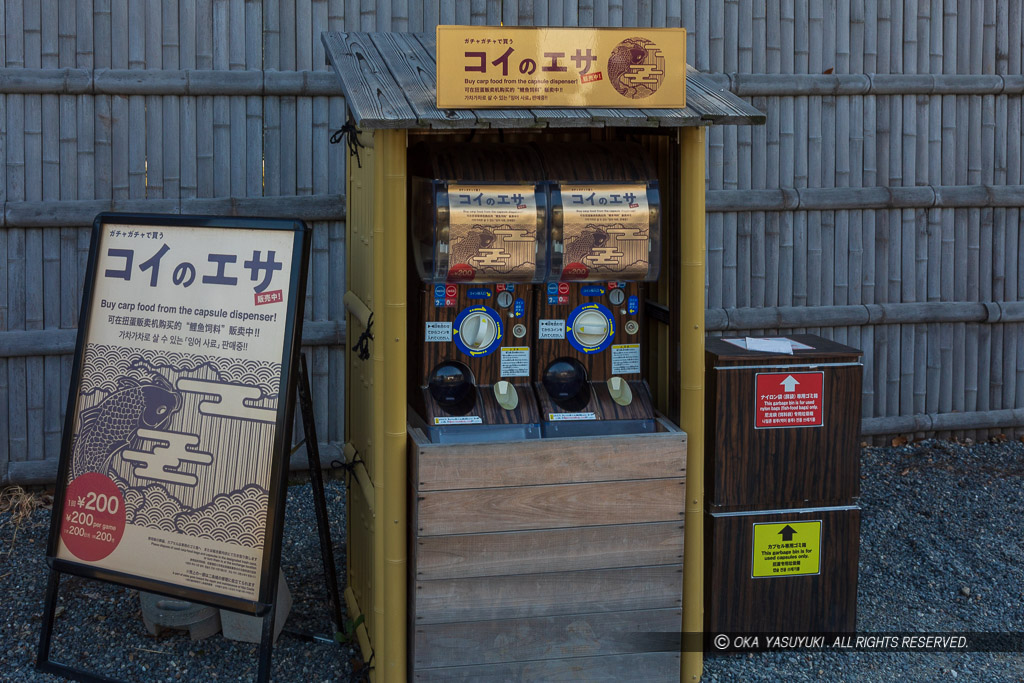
{"points": [[531, 270]]}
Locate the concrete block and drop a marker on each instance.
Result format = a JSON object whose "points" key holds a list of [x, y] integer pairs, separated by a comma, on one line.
{"points": [[249, 629], [160, 613]]}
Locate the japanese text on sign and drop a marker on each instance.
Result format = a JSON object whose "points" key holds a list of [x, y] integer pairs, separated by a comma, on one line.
{"points": [[789, 399], [480, 66], [786, 549], [177, 403]]}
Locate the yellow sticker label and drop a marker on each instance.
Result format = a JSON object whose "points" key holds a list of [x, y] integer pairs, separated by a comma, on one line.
{"points": [[492, 66], [786, 549]]}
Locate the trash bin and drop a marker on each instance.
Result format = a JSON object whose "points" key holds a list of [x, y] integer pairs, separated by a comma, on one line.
{"points": [[782, 525]]}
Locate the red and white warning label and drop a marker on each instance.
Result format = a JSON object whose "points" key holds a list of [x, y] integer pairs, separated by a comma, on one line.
{"points": [[789, 399]]}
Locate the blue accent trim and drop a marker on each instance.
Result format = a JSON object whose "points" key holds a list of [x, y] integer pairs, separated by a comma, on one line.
{"points": [[461, 317]]}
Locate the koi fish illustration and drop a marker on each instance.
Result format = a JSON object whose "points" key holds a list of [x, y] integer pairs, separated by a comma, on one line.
{"points": [[583, 245], [627, 54], [469, 247], [110, 426]]}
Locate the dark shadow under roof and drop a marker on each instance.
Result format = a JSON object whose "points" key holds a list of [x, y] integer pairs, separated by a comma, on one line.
{"points": [[389, 82]]}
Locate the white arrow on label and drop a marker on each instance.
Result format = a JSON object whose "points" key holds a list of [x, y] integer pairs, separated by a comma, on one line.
{"points": [[789, 384]]}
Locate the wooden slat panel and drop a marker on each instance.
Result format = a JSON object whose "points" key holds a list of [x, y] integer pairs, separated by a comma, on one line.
{"points": [[550, 507], [414, 71], [647, 666], [522, 552], [527, 595], [518, 640], [534, 461], [377, 86], [369, 87]]}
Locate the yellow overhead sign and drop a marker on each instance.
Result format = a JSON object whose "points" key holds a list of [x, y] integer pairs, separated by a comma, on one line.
{"points": [[491, 67], [786, 549]]}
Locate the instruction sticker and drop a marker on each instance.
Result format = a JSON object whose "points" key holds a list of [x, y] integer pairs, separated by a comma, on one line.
{"points": [[569, 417], [786, 549], [789, 399], [515, 361], [551, 329], [458, 420], [625, 359], [439, 332]]}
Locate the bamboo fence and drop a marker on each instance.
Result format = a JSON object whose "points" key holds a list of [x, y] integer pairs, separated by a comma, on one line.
{"points": [[879, 206]]}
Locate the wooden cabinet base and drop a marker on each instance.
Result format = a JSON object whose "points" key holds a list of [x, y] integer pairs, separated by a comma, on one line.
{"points": [[546, 559]]}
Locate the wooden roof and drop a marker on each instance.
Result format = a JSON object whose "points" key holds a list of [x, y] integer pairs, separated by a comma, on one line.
{"points": [[389, 82]]}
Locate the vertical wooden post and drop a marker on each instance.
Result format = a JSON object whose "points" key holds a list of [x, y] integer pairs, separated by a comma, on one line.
{"points": [[691, 413], [391, 345]]}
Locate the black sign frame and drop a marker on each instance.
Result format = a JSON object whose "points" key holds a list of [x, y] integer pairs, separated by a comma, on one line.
{"points": [[265, 604]]}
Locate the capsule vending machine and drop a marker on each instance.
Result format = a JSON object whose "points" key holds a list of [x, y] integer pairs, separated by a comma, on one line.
{"points": [[605, 242], [479, 227]]}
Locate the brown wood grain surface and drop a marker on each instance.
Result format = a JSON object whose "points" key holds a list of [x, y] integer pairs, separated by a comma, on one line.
{"points": [[598, 365], [735, 602], [548, 594], [549, 506], [537, 638], [523, 552], [748, 467], [542, 461]]}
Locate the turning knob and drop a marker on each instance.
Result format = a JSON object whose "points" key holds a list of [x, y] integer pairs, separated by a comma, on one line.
{"points": [[478, 331], [590, 328]]}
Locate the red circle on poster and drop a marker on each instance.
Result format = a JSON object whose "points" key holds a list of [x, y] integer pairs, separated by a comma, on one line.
{"points": [[451, 291], [563, 288], [94, 517]]}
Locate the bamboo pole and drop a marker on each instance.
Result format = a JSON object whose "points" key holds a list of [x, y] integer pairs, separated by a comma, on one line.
{"points": [[392, 345], [691, 418], [40, 214], [337, 255], [12, 380]]}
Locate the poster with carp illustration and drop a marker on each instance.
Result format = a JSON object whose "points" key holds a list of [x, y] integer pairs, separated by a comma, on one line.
{"points": [[177, 427], [606, 232], [492, 233]]}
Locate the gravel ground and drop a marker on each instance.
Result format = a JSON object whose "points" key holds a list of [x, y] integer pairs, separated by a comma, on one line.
{"points": [[102, 625], [942, 549]]}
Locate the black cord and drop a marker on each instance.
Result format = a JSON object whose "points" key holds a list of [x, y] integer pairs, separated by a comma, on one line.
{"points": [[362, 345], [349, 468], [349, 133]]}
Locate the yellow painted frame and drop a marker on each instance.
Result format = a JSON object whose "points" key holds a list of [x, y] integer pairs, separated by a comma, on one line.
{"points": [[692, 245], [377, 240]]}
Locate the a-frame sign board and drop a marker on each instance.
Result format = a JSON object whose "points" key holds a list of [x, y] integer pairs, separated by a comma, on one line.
{"points": [[174, 458]]}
